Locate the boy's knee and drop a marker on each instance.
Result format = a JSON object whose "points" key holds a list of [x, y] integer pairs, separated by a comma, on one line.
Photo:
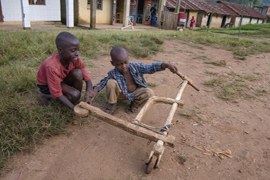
{"points": [[74, 96], [77, 74], [149, 93], [111, 84]]}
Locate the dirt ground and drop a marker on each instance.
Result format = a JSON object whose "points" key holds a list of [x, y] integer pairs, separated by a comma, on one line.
{"points": [[98, 150]]}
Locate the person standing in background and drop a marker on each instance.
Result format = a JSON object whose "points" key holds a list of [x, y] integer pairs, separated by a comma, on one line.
{"points": [[192, 22]]}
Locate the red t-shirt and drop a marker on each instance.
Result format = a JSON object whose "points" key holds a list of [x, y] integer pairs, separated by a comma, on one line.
{"points": [[52, 73]]}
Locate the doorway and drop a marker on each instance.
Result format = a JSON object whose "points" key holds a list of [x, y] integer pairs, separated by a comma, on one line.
{"points": [[199, 19], [140, 11], [223, 21], [119, 11], [209, 20]]}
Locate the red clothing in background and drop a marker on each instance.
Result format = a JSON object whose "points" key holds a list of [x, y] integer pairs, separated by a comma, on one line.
{"points": [[52, 73], [192, 22]]}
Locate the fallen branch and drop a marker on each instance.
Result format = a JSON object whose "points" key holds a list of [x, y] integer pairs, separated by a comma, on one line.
{"points": [[219, 153]]}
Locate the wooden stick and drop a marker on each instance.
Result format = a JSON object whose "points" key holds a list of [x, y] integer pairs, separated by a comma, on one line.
{"points": [[144, 109], [126, 126], [174, 106], [153, 100], [189, 81], [167, 100]]}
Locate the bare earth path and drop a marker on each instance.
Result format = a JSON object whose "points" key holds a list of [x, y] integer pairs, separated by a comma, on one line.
{"points": [[97, 150]]}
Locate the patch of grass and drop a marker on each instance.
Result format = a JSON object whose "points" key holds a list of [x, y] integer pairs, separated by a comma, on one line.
{"points": [[261, 92], [256, 30], [211, 73], [23, 121], [220, 63], [232, 86], [152, 84], [204, 58], [241, 47], [189, 113]]}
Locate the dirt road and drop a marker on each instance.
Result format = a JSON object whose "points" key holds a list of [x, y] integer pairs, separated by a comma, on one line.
{"points": [[204, 128]]}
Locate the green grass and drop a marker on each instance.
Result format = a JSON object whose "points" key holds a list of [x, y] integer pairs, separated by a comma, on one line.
{"points": [[232, 87], [256, 30], [220, 63], [24, 123]]}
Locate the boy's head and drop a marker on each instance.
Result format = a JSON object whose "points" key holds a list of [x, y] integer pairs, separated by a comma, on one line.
{"points": [[119, 58], [68, 46]]}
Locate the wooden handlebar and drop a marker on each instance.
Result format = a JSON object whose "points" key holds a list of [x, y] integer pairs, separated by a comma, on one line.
{"points": [[189, 81]]}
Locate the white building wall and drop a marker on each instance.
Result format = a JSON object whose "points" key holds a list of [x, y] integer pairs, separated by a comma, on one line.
{"points": [[204, 21], [260, 21], [254, 21], [237, 21], [245, 20], [49, 12], [228, 20], [216, 21], [12, 11]]}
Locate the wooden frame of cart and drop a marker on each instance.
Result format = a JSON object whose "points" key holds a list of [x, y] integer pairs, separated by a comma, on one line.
{"points": [[160, 136]]}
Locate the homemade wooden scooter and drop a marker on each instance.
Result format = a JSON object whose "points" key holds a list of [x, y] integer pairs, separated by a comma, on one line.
{"points": [[160, 136]]}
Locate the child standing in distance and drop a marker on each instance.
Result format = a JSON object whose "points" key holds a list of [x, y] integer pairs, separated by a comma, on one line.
{"points": [[126, 80], [192, 22], [61, 75]]}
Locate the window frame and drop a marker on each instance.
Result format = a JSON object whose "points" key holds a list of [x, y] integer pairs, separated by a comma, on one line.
{"points": [[99, 3], [32, 3]]}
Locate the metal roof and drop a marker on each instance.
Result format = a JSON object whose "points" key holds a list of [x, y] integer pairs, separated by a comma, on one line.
{"points": [[222, 8], [243, 10]]}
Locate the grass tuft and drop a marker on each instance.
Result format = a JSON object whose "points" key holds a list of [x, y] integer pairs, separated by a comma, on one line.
{"points": [[232, 86]]}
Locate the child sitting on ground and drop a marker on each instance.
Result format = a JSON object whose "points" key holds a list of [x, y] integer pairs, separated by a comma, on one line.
{"points": [[126, 81], [61, 75]]}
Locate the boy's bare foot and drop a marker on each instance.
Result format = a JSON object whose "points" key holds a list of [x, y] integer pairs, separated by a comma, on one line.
{"points": [[110, 108], [131, 109]]}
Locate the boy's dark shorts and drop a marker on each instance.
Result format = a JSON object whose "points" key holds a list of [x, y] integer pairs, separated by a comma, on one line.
{"points": [[44, 89]]}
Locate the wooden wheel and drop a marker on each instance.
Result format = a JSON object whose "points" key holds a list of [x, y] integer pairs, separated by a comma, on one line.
{"points": [[151, 164]]}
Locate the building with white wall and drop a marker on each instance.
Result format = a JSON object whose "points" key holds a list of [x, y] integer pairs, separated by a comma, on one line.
{"points": [[12, 10]]}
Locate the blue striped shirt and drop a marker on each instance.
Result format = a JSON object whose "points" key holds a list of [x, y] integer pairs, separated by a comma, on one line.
{"points": [[137, 70]]}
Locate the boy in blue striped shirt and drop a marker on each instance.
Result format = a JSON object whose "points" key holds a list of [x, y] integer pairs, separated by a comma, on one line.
{"points": [[126, 81]]}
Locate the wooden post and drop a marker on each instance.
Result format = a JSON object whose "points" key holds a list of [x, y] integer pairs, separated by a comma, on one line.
{"points": [[70, 13], [127, 126], [160, 11], [1, 14], [126, 13], [177, 8], [113, 12], [93, 14], [25, 14]]}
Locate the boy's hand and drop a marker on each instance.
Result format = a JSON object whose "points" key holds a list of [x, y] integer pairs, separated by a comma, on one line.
{"points": [[90, 96], [171, 67]]}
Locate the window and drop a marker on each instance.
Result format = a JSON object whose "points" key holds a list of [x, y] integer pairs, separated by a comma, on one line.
{"points": [[36, 2], [99, 4]]}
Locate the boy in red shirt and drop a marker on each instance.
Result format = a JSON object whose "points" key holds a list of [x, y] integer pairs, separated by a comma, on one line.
{"points": [[61, 75]]}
